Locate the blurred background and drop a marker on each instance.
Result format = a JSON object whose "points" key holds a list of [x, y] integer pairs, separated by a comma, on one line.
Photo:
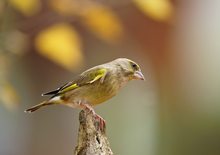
{"points": [[45, 43]]}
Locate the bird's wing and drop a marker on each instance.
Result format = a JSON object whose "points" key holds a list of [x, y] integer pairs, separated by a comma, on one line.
{"points": [[86, 78]]}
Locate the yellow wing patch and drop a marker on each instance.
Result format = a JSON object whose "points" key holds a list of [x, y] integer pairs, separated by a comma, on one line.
{"points": [[71, 87], [99, 74]]}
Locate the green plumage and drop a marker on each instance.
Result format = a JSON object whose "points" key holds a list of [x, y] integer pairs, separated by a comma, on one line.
{"points": [[95, 85]]}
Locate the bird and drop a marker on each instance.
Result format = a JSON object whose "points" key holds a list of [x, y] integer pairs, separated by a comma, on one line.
{"points": [[94, 86]]}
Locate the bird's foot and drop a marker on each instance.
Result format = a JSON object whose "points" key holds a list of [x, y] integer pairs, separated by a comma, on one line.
{"points": [[99, 119], [102, 124]]}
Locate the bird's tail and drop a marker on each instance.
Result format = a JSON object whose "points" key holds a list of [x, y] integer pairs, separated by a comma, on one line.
{"points": [[36, 107]]}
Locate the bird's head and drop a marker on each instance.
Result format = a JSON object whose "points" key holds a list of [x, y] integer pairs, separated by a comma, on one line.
{"points": [[130, 69]]}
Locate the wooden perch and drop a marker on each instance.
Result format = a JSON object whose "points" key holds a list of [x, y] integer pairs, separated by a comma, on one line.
{"points": [[91, 140]]}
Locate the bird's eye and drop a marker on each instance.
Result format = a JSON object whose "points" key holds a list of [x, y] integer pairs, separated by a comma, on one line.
{"points": [[134, 66]]}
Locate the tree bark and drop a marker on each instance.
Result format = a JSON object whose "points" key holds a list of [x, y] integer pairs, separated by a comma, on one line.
{"points": [[91, 140]]}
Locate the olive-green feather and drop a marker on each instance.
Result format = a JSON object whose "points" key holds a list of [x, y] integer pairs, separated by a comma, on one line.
{"points": [[70, 87], [87, 77]]}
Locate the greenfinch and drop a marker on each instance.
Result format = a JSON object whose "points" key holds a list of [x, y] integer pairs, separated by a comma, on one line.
{"points": [[94, 86]]}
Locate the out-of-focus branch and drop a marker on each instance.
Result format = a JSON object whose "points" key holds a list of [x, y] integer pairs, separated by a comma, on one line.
{"points": [[91, 140]]}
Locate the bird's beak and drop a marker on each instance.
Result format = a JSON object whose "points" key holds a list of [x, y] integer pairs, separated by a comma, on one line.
{"points": [[138, 75]]}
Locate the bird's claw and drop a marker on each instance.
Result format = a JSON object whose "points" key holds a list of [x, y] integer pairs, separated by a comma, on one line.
{"points": [[102, 124], [99, 119]]}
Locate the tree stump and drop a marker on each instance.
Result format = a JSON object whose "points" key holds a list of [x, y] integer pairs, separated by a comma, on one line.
{"points": [[91, 140]]}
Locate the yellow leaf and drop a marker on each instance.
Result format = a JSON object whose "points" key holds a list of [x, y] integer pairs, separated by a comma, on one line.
{"points": [[160, 10], [61, 44], [8, 96], [103, 22], [27, 7]]}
